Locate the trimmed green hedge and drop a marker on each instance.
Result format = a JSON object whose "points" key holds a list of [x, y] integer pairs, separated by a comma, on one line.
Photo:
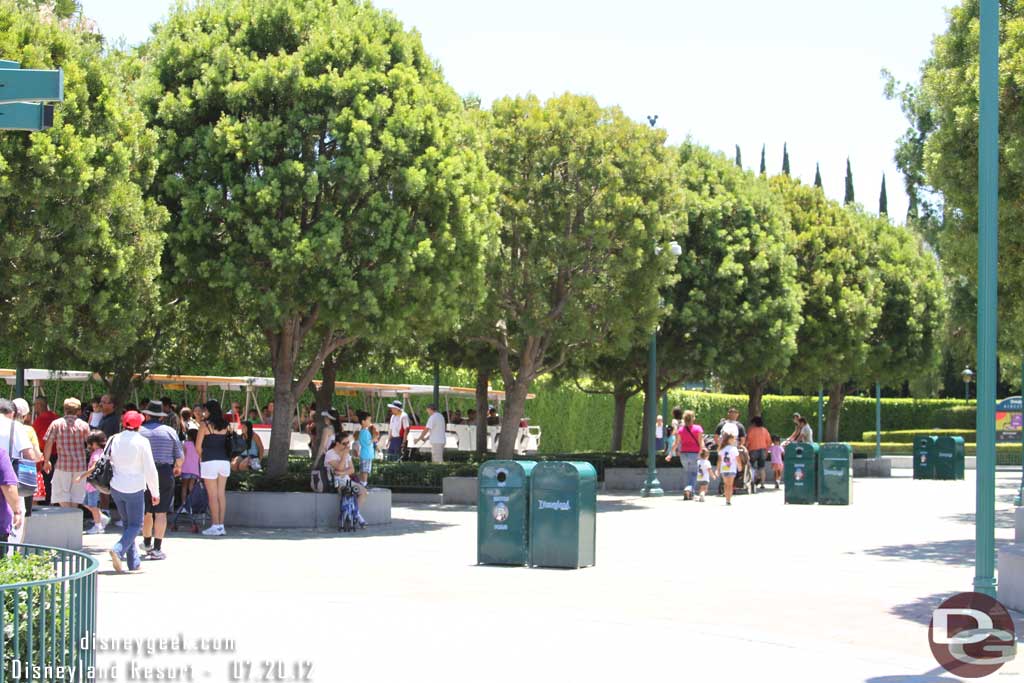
{"points": [[908, 435]]}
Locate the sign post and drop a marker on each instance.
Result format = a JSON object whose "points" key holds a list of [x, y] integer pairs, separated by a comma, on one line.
{"points": [[25, 95]]}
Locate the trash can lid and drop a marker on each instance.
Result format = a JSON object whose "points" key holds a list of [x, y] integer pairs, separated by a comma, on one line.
{"points": [[561, 469], [498, 473]]}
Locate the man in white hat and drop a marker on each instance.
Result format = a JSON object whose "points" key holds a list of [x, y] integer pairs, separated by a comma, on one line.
{"points": [[398, 427], [168, 457]]}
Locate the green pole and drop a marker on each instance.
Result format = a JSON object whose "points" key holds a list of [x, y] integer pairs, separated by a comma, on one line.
{"points": [[1020, 492], [437, 385], [821, 410], [652, 487], [988, 259], [878, 420]]}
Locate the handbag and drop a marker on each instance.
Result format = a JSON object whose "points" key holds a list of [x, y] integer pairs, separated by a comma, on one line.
{"points": [[103, 471], [234, 443]]}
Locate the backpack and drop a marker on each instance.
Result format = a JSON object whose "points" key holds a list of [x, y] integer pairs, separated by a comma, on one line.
{"points": [[24, 470], [321, 479]]}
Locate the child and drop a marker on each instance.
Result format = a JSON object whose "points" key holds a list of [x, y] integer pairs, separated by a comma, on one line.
{"points": [[190, 466], [776, 454], [95, 442], [659, 434], [704, 473], [367, 445], [728, 464]]}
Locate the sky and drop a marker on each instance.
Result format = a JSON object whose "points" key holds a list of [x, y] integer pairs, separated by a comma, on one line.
{"points": [[746, 72]]}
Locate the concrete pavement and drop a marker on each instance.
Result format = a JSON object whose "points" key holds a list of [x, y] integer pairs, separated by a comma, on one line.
{"points": [[681, 589]]}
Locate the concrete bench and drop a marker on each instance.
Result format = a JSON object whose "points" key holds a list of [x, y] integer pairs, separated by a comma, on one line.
{"points": [[1011, 576], [872, 467], [459, 490], [54, 526], [272, 510]]}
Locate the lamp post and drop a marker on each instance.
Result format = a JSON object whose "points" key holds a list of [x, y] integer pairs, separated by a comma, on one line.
{"points": [[968, 377], [652, 487], [988, 266]]}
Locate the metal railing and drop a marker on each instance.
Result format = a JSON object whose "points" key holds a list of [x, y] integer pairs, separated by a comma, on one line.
{"points": [[47, 623]]}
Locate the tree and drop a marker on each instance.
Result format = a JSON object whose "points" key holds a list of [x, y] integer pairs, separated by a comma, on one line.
{"points": [[817, 176], [883, 200], [586, 198], [82, 244], [785, 159], [848, 198], [323, 180], [764, 168], [739, 157], [841, 294], [939, 156]]}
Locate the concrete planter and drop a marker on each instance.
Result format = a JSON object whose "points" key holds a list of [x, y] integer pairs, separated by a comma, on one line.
{"points": [[459, 490], [272, 510], [1018, 519], [633, 478], [1011, 576], [872, 467], [53, 526]]}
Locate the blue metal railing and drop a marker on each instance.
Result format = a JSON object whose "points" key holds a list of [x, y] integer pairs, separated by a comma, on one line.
{"points": [[48, 622]]}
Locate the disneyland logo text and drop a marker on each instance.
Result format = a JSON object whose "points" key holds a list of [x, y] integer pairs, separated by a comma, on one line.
{"points": [[553, 505]]}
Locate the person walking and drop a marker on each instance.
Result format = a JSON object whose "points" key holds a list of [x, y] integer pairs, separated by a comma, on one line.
{"points": [[13, 443], [214, 446], [731, 425], [168, 457], [398, 427], [131, 458], [23, 415], [759, 440], [689, 446], [44, 418], [66, 436], [728, 464], [434, 434]]}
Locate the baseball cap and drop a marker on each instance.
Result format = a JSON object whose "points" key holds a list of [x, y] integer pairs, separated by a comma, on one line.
{"points": [[132, 419]]}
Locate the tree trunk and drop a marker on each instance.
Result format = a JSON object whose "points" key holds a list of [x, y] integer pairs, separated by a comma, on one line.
{"points": [[483, 378], [643, 426], [329, 373], [284, 413], [836, 395], [515, 408], [621, 397], [120, 388], [755, 394]]}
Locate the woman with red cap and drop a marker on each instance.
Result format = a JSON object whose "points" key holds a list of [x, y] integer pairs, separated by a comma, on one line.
{"points": [[134, 471]]}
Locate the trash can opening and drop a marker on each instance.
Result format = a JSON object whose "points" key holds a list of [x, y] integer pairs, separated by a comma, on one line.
{"points": [[502, 476]]}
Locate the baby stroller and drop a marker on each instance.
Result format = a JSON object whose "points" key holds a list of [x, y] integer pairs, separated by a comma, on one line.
{"points": [[195, 509], [348, 515]]}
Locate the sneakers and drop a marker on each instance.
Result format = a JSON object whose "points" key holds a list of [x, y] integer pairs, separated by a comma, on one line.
{"points": [[254, 465], [728, 502], [215, 530], [702, 497], [156, 555], [115, 559], [95, 529], [776, 486], [143, 550], [104, 519], [119, 524]]}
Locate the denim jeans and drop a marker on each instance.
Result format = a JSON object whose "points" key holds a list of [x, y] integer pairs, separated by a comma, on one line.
{"points": [[131, 507], [690, 465]]}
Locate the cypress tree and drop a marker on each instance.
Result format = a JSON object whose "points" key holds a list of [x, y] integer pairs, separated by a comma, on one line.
{"points": [[764, 168], [848, 199], [817, 176], [785, 159], [883, 200], [739, 157]]}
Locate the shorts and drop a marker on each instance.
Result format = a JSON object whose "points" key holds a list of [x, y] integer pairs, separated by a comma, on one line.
{"points": [[437, 452], [659, 444], [728, 475], [757, 458], [189, 476], [165, 475], [211, 469], [92, 499], [365, 465], [64, 488]]}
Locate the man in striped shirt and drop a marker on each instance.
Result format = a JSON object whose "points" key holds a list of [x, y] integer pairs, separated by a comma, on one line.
{"points": [[168, 457]]}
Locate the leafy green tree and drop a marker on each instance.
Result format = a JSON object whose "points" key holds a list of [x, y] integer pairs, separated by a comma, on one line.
{"points": [[939, 156], [785, 159], [883, 200], [82, 244], [323, 180], [764, 168], [848, 198], [841, 293], [817, 176], [586, 197]]}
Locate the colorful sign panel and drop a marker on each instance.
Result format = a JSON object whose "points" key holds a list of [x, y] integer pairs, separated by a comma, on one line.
{"points": [[1009, 419]]}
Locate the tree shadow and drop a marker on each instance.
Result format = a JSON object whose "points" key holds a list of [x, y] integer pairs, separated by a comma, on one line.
{"points": [[958, 553], [1004, 519], [397, 527], [920, 611], [934, 676], [623, 504]]}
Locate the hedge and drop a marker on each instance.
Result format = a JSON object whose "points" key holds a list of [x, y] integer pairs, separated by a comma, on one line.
{"points": [[908, 435]]}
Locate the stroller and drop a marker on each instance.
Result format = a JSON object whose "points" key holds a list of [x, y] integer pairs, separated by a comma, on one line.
{"points": [[195, 509], [348, 514]]}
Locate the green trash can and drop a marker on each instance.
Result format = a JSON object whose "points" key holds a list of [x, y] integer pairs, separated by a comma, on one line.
{"points": [[800, 473], [949, 457], [834, 473], [503, 511], [563, 515], [924, 457]]}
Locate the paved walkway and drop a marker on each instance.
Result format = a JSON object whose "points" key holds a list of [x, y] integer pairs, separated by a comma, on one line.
{"points": [[681, 589]]}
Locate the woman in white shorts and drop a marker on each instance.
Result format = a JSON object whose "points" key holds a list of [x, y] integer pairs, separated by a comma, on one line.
{"points": [[338, 459], [215, 463]]}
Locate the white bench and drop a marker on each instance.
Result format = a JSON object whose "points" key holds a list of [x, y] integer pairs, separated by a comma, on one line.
{"points": [[276, 510]]}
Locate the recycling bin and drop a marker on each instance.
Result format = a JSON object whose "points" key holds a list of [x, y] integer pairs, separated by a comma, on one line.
{"points": [[503, 511], [563, 515], [924, 457], [800, 473], [834, 473], [949, 457]]}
